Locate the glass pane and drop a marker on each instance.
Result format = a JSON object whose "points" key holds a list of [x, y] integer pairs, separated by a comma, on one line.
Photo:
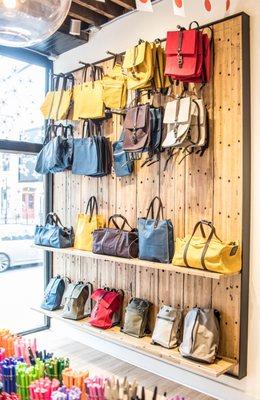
{"points": [[22, 91], [21, 266]]}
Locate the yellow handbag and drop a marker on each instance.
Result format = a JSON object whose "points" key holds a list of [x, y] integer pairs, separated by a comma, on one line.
{"points": [[66, 98], [51, 102], [90, 99], [77, 96], [208, 253], [86, 224], [139, 66], [114, 88]]}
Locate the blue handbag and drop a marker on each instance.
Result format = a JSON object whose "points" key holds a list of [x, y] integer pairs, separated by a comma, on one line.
{"points": [[53, 233], [156, 241], [123, 166], [57, 152], [53, 293]]}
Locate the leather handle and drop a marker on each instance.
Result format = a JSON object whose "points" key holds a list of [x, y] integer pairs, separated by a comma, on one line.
{"points": [[196, 23], [210, 236], [92, 204], [125, 222], [159, 210]]}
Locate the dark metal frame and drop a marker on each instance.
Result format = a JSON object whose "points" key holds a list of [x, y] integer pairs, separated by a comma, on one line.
{"points": [[12, 146]]}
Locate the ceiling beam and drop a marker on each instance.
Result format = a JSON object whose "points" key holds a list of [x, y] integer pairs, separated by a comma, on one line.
{"points": [[108, 9], [128, 4], [86, 15]]}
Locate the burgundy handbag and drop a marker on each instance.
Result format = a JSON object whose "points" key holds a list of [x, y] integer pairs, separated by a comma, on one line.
{"points": [[188, 55], [116, 241], [137, 128]]}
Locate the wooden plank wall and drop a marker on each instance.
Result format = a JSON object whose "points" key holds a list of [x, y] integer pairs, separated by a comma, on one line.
{"points": [[208, 187]]}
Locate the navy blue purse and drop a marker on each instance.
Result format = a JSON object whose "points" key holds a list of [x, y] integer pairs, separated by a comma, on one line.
{"points": [[54, 293], [156, 240], [53, 233], [123, 166]]}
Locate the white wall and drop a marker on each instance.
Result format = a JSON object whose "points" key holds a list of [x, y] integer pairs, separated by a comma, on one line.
{"points": [[125, 32]]}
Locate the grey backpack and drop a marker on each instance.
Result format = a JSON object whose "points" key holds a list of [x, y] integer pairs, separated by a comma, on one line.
{"points": [[76, 297], [136, 317], [201, 335], [168, 327]]}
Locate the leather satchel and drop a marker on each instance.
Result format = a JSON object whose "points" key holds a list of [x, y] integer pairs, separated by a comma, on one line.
{"points": [[137, 128], [187, 119], [116, 241], [188, 55], [53, 233]]}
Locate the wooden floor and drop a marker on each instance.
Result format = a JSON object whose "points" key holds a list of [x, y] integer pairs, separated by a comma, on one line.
{"points": [[83, 357]]}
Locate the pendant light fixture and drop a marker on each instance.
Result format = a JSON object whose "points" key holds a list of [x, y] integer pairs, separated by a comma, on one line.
{"points": [[24, 23]]}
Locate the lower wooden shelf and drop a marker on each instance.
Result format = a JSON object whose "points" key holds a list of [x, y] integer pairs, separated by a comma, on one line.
{"points": [[144, 346], [138, 263]]}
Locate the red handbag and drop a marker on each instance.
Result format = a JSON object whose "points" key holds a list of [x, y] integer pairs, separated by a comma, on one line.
{"points": [[188, 55], [108, 308]]}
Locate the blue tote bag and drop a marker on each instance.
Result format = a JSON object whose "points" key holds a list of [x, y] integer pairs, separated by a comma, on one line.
{"points": [[156, 241], [86, 152]]}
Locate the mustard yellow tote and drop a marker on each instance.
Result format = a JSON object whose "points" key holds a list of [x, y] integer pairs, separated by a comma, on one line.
{"points": [[86, 224], [208, 253]]}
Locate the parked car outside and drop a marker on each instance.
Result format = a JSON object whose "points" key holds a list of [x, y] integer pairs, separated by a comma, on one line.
{"points": [[16, 246]]}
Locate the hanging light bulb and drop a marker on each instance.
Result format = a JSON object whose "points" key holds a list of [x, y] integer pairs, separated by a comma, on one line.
{"points": [[24, 23]]}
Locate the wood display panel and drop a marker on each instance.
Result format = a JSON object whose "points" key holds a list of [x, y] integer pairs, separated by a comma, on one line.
{"points": [[209, 187]]}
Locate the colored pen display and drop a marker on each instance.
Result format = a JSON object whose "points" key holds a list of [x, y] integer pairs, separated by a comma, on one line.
{"points": [[64, 393], [55, 366], [8, 373], [42, 389], [25, 375]]}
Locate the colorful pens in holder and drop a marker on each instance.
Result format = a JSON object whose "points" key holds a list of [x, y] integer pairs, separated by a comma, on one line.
{"points": [[64, 393], [25, 348], [7, 342], [42, 389], [7, 396], [25, 375], [55, 366], [8, 373], [95, 388]]}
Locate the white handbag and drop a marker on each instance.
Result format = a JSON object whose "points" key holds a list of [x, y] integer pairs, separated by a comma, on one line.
{"points": [[168, 327]]}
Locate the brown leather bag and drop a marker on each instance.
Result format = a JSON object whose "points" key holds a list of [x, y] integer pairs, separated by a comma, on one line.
{"points": [[116, 241], [137, 128]]}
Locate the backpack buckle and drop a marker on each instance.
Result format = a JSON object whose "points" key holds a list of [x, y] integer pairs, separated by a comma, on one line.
{"points": [[180, 59]]}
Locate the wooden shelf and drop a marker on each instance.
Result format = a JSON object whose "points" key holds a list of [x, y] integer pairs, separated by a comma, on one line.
{"points": [[138, 263], [144, 346]]}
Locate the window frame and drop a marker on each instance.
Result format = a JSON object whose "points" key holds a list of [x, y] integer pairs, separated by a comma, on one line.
{"points": [[20, 147]]}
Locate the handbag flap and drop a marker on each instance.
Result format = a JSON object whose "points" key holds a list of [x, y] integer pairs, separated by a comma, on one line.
{"points": [[178, 111], [136, 117], [189, 42], [52, 286], [97, 294], [74, 290], [111, 300], [135, 56]]}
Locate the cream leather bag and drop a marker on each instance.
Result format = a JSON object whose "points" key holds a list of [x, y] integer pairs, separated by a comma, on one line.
{"points": [[187, 119], [168, 327]]}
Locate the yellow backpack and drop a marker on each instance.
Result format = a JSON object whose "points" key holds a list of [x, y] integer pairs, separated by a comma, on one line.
{"points": [[114, 88], [139, 66]]}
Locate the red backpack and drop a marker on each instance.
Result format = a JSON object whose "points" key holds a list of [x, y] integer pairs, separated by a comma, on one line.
{"points": [[107, 311], [188, 55]]}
